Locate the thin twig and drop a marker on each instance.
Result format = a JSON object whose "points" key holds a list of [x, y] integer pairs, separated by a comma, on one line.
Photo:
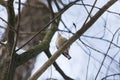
{"points": [[106, 54], [104, 78], [98, 52], [89, 15], [111, 62], [99, 8], [43, 28]]}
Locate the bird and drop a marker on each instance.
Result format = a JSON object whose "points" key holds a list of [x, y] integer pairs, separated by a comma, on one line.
{"points": [[59, 42]]}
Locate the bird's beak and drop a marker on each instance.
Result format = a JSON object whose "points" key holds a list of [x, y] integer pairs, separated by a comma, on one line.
{"points": [[67, 56]]}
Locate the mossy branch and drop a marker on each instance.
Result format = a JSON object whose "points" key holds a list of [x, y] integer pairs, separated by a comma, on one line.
{"points": [[33, 52], [46, 41]]}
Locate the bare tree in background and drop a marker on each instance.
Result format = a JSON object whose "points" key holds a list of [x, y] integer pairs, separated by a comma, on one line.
{"points": [[32, 30]]}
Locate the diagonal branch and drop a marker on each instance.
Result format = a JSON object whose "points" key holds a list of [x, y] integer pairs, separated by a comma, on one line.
{"points": [[47, 52], [43, 44], [57, 16], [106, 54], [72, 39]]}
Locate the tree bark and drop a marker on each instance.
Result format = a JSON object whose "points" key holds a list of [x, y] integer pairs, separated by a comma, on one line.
{"points": [[33, 16]]}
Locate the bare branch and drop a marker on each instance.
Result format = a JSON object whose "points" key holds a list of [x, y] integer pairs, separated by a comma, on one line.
{"points": [[110, 76], [47, 52], [106, 54], [72, 39], [45, 43]]}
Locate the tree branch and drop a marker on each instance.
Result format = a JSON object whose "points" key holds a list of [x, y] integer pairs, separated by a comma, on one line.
{"points": [[10, 36], [3, 2], [47, 52], [72, 39], [43, 44]]}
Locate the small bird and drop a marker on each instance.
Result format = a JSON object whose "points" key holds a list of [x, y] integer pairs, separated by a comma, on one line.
{"points": [[59, 42]]}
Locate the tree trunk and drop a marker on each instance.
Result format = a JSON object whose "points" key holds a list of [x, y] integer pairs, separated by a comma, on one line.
{"points": [[33, 16]]}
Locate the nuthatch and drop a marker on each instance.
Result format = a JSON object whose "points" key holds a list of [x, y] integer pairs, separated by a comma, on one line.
{"points": [[59, 42]]}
